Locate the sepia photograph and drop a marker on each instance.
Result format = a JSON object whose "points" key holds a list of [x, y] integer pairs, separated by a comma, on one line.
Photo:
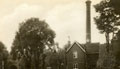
{"points": [[59, 34]]}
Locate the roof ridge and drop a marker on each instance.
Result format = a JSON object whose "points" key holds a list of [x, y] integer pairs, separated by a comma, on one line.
{"points": [[78, 45], [81, 46]]}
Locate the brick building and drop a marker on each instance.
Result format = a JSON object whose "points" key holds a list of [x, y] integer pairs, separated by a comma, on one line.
{"points": [[82, 56]]}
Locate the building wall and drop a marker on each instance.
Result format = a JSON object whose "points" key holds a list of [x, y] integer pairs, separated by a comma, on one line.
{"points": [[80, 60], [116, 47], [92, 60]]}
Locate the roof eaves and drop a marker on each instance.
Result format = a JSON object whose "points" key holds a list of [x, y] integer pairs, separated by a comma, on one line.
{"points": [[80, 46], [70, 47]]}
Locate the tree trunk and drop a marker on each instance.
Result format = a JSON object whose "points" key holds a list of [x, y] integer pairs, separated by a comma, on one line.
{"points": [[107, 42], [108, 61]]}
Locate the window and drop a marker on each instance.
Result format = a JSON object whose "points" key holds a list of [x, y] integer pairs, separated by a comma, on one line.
{"points": [[75, 66], [75, 54]]}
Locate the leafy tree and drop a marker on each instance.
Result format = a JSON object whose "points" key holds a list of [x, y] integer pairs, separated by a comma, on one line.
{"points": [[55, 57], [62, 58], [3, 55], [116, 42], [67, 45], [107, 21], [115, 4], [51, 59], [2, 47], [30, 41]]}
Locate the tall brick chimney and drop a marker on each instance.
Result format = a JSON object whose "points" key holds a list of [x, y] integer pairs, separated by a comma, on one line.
{"points": [[88, 21]]}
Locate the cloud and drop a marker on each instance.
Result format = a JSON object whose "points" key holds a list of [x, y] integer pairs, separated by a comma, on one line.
{"points": [[66, 19], [9, 24], [70, 20]]}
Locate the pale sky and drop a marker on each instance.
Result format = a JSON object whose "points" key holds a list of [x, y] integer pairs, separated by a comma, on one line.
{"points": [[65, 17]]}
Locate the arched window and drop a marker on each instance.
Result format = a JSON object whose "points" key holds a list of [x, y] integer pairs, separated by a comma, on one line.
{"points": [[75, 66]]}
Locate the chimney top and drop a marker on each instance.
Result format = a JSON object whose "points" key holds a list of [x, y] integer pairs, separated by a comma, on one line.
{"points": [[88, 1]]}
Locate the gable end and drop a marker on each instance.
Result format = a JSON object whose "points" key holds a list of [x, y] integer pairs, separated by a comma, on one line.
{"points": [[78, 46]]}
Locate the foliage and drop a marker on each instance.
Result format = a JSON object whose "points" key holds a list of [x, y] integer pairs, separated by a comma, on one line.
{"points": [[107, 21], [67, 45], [55, 59], [30, 41], [3, 55], [116, 5], [117, 49], [118, 35], [2, 47]]}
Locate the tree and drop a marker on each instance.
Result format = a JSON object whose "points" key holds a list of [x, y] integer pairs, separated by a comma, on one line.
{"points": [[3, 56], [30, 41], [107, 21], [116, 49], [62, 59], [2, 47], [55, 57], [52, 58], [115, 4]]}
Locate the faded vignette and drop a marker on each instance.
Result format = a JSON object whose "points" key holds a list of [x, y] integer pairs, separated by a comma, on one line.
{"points": [[77, 43]]}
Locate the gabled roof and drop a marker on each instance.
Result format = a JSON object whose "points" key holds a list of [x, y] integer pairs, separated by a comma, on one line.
{"points": [[79, 45], [92, 48]]}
